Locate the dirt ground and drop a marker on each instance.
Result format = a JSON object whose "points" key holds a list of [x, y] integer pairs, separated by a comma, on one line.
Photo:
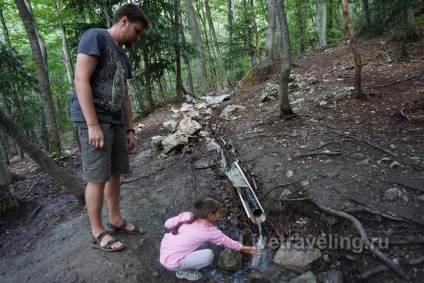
{"points": [[342, 152]]}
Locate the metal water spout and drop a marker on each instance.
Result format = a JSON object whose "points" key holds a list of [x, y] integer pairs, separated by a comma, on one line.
{"points": [[250, 202]]}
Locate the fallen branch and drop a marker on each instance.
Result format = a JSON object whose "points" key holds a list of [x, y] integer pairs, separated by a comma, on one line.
{"points": [[373, 211], [278, 186], [374, 271], [406, 242], [414, 261], [318, 153], [364, 239], [405, 185], [367, 142], [399, 81], [148, 175]]}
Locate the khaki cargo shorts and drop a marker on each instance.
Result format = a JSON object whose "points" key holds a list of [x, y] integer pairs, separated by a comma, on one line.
{"points": [[100, 163]]}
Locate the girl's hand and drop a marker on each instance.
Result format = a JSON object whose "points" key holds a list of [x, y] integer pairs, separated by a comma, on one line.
{"points": [[251, 250]]}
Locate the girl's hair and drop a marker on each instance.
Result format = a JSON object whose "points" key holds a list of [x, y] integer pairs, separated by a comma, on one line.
{"points": [[201, 209]]}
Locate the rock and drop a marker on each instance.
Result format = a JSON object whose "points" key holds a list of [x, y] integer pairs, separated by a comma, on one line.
{"points": [[307, 277], [232, 111], [189, 126], [299, 260], [394, 164], [229, 259], [186, 107], [420, 197], [156, 142], [391, 194], [175, 141], [215, 99], [170, 125], [271, 92], [193, 115], [332, 276]]}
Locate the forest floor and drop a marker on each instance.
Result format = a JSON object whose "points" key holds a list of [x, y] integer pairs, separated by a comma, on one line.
{"points": [[344, 153]]}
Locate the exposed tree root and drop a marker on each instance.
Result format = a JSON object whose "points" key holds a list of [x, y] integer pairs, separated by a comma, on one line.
{"points": [[374, 271], [364, 239]]}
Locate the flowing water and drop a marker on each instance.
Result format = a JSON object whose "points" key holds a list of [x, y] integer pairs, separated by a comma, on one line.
{"points": [[259, 244]]}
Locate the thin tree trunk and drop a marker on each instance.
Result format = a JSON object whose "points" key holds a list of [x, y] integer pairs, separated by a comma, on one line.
{"points": [[285, 110], [189, 75], [36, 154], [269, 40], [366, 19], [148, 80], [321, 12], [212, 67], [230, 64], [301, 26], [43, 77], [65, 49], [218, 53], [4, 27], [179, 86], [201, 65], [358, 65], [256, 32]]}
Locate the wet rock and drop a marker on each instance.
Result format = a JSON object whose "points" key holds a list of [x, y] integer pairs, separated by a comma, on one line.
{"points": [[229, 259], [391, 194], [307, 277], [232, 111], [332, 276], [300, 260]]}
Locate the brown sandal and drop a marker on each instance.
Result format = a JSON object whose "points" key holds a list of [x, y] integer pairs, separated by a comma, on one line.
{"points": [[113, 230], [95, 243]]}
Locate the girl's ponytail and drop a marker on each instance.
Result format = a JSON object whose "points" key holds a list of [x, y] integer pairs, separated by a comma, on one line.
{"points": [[202, 207]]}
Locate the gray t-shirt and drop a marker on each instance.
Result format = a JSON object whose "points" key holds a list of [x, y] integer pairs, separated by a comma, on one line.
{"points": [[108, 80]]}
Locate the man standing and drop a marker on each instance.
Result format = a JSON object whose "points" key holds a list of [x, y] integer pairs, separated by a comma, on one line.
{"points": [[102, 116]]}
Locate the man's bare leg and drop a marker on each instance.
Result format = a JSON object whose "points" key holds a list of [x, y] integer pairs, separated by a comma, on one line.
{"points": [[94, 193], [112, 193]]}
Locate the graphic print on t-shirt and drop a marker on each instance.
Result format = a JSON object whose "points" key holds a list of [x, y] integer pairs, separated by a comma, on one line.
{"points": [[109, 93]]}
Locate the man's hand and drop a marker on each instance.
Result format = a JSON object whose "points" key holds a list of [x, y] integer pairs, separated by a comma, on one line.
{"points": [[132, 144], [95, 136]]}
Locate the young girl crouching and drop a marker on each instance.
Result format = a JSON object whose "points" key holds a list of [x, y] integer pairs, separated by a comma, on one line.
{"points": [[190, 230]]}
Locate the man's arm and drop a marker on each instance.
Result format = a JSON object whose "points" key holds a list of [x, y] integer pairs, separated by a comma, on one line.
{"points": [[132, 145], [85, 66]]}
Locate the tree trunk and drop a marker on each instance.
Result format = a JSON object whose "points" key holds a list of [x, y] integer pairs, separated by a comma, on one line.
{"points": [[201, 65], [366, 19], [4, 27], [230, 64], [321, 12], [189, 75], [7, 178], [301, 26], [65, 49], [257, 53], [220, 69], [43, 77], [179, 87], [212, 68], [148, 80], [358, 65], [36, 154], [285, 110], [269, 40]]}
